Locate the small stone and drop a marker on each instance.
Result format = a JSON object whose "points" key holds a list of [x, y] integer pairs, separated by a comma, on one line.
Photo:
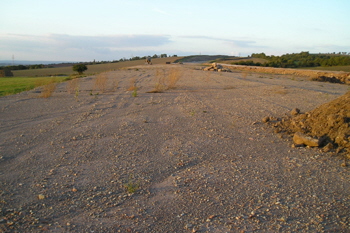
{"points": [[41, 197], [266, 119], [328, 147], [74, 189], [295, 111], [300, 138]]}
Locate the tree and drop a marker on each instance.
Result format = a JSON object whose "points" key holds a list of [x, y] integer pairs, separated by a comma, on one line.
{"points": [[80, 68]]}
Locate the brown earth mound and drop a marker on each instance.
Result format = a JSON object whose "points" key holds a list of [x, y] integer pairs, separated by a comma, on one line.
{"points": [[329, 123]]}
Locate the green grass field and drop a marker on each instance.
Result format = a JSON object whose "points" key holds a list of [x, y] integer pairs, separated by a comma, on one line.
{"points": [[13, 85]]}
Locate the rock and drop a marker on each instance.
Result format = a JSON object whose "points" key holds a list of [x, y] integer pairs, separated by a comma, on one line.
{"points": [[41, 197], [295, 111], [266, 119], [214, 67], [328, 147], [300, 138]]}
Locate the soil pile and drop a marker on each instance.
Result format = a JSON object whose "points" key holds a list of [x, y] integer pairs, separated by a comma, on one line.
{"points": [[330, 123]]}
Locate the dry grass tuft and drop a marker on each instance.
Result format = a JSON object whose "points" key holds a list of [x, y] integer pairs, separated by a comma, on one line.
{"points": [[72, 85], [101, 82], [160, 85], [132, 85], [48, 90], [166, 82], [173, 78], [116, 84]]}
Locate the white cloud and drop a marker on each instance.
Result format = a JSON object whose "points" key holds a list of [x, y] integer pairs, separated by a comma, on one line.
{"points": [[77, 46]]}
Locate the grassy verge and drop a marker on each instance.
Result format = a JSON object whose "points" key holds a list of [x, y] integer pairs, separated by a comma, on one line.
{"points": [[14, 85]]}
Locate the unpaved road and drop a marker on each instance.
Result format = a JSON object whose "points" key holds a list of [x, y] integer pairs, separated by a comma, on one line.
{"points": [[197, 156]]}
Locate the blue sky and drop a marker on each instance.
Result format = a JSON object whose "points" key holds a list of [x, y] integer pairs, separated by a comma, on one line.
{"points": [[77, 30]]}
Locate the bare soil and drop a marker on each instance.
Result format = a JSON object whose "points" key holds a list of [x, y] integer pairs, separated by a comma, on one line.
{"points": [[95, 157], [315, 75], [329, 123]]}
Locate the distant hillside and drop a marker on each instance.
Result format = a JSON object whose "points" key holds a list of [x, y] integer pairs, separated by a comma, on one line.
{"points": [[23, 62], [92, 69], [204, 58]]}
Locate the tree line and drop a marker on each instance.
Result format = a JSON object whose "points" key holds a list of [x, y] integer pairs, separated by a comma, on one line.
{"points": [[24, 67], [296, 60]]}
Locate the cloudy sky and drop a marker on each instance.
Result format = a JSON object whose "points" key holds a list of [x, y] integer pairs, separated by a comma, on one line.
{"points": [[77, 30]]}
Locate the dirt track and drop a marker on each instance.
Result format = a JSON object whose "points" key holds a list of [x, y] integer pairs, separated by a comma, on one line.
{"points": [[198, 156]]}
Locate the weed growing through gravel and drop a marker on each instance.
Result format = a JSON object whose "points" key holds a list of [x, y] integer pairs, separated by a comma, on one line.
{"points": [[131, 186], [134, 92], [94, 94], [76, 93]]}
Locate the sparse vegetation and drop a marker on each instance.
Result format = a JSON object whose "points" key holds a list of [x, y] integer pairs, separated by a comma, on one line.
{"points": [[76, 93], [132, 84], [163, 85], [48, 90], [134, 92], [174, 77], [72, 85], [131, 186], [160, 85], [101, 82]]}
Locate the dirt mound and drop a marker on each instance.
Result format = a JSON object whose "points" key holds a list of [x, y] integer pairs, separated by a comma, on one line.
{"points": [[329, 123]]}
